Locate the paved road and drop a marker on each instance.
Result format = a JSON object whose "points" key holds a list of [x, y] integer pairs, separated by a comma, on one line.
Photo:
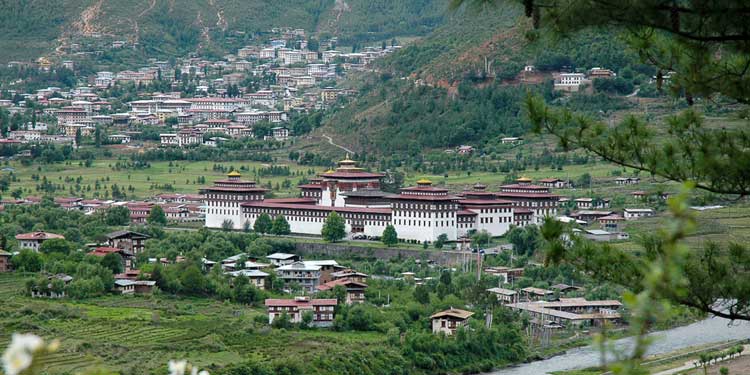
{"points": [[708, 331]]}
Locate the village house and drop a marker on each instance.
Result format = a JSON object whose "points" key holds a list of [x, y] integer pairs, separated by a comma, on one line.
{"points": [[449, 321], [590, 216], [627, 180], [257, 278], [504, 296], [128, 258], [34, 240], [554, 183], [130, 241], [601, 73], [570, 82], [322, 310], [637, 213], [282, 259], [280, 133], [355, 290], [511, 140], [54, 289], [591, 203], [570, 312], [537, 294], [125, 286], [611, 222], [507, 275]]}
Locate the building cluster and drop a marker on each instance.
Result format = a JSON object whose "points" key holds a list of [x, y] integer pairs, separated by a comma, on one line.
{"points": [[176, 207], [572, 82], [263, 82], [557, 307], [419, 213]]}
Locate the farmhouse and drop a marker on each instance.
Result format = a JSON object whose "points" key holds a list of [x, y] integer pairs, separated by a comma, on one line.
{"points": [[505, 296], [637, 213], [130, 241], [322, 310], [282, 259], [627, 180], [355, 290], [256, 278], [34, 240], [449, 321]]}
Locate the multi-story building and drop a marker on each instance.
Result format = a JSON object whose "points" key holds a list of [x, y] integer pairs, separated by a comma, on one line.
{"points": [[322, 310], [306, 275], [34, 240], [420, 213], [223, 200]]}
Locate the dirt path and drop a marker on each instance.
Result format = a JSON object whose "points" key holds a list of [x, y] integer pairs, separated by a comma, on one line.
{"points": [[150, 6], [330, 141]]}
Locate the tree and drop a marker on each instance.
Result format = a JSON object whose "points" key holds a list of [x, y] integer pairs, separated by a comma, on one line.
{"points": [[525, 240], [422, 294], [227, 225], [441, 240], [280, 226], [117, 215], [481, 237], [282, 321], [112, 261], [157, 216], [334, 228], [389, 237], [56, 245], [192, 280], [263, 224], [27, 261]]}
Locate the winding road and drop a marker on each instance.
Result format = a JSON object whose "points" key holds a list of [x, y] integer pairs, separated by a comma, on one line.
{"points": [[338, 145]]}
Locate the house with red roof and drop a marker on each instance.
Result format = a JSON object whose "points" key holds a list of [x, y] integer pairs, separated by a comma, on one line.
{"points": [[34, 240], [355, 290], [128, 258]]}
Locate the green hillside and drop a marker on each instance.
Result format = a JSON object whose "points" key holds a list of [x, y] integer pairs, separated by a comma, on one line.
{"points": [[165, 28], [459, 85]]}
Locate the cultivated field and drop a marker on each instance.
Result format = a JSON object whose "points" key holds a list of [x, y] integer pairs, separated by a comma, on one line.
{"points": [[136, 335]]}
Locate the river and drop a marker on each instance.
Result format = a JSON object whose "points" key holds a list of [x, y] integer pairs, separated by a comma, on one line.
{"points": [[711, 330]]}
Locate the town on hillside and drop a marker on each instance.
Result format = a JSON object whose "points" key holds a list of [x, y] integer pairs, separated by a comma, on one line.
{"points": [[354, 187]]}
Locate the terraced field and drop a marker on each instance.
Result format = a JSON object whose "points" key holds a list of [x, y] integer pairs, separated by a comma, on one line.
{"points": [[137, 335]]}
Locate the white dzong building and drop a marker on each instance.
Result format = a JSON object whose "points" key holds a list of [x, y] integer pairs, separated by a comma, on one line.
{"points": [[223, 200], [420, 213]]}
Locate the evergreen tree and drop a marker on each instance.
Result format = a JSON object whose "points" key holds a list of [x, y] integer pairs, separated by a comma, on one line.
{"points": [[334, 228], [389, 237], [263, 224], [280, 226], [157, 216], [118, 215]]}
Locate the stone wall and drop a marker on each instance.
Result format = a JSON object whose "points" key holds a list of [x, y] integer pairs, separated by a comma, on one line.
{"points": [[443, 257]]}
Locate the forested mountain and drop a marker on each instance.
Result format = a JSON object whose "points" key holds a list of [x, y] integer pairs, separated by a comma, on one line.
{"points": [[174, 27], [459, 85]]}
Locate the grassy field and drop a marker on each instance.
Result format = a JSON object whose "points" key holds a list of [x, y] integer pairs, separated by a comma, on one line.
{"points": [[160, 177], [136, 335], [728, 224]]}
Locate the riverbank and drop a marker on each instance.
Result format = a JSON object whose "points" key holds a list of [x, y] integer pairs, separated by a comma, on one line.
{"points": [[576, 361]]}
